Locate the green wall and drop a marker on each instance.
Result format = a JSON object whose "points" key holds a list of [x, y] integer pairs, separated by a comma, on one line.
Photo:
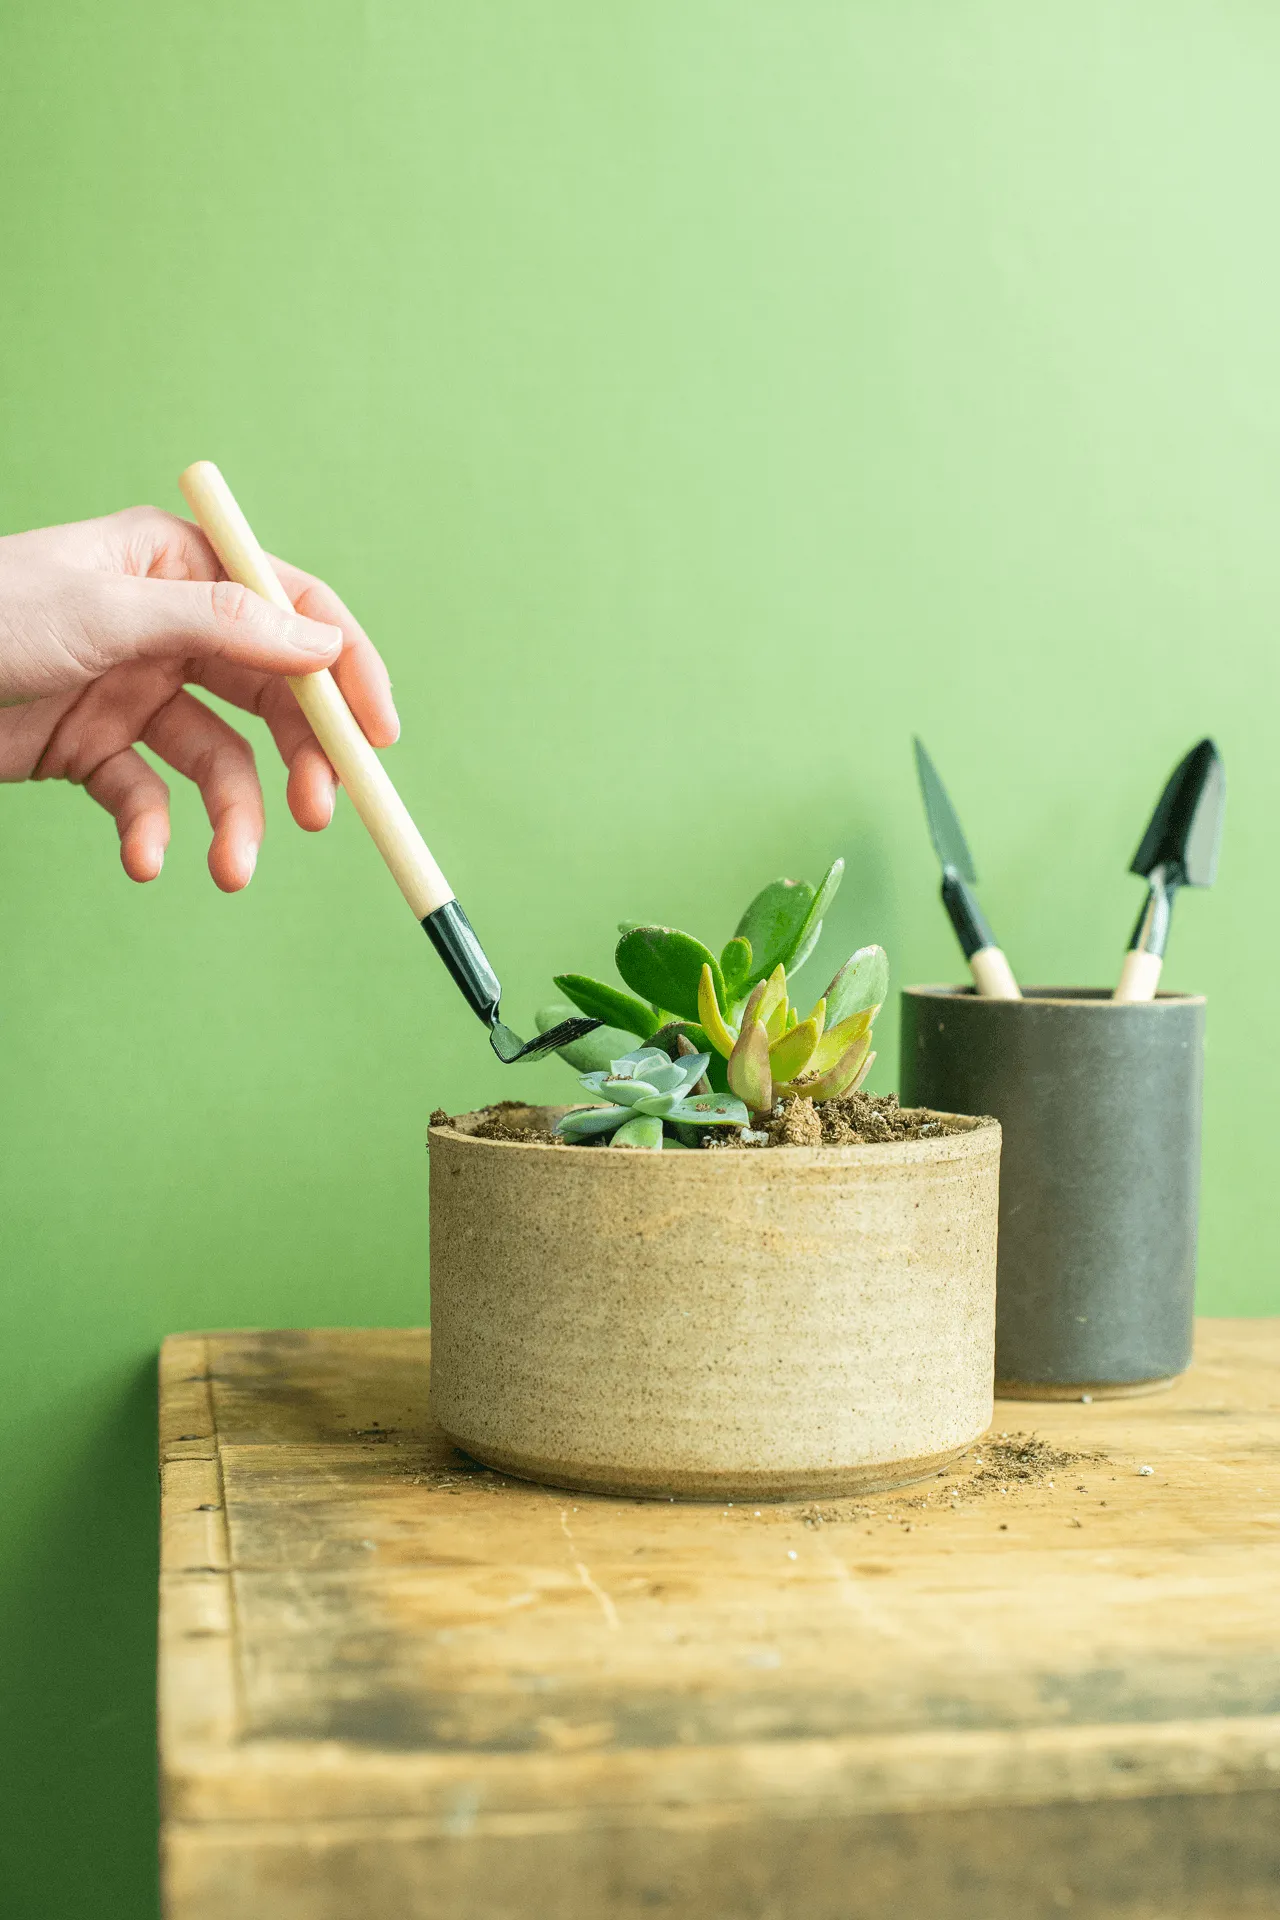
{"points": [[695, 397]]}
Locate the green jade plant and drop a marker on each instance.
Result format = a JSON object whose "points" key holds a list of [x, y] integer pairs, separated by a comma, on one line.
{"points": [[733, 1012]]}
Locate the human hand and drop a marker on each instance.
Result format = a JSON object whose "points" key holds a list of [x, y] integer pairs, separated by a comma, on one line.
{"points": [[103, 626]]}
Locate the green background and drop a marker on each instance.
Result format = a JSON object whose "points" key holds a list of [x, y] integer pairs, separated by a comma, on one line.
{"points": [[694, 399]]}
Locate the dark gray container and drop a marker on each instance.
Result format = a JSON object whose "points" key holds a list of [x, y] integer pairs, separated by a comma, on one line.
{"points": [[1099, 1178]]}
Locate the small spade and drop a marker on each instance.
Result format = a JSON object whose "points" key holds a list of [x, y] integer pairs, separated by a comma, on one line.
{"points": [[1179, 849], [430, 897], [991, 971]]}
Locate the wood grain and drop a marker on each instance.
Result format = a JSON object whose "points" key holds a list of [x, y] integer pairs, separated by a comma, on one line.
{"points": [[396, 1684]]}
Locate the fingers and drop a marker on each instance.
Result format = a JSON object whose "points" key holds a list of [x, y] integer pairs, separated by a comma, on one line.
{"points": [[138, 798], [196, 742], [360, 672], [112, 618]]}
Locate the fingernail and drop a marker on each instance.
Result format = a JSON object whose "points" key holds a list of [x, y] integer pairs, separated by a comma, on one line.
{"points": [[316, 638]]}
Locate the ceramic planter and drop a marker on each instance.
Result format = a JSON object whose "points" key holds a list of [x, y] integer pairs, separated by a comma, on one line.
{"points": [[1099, 1187], [713, 1325]]}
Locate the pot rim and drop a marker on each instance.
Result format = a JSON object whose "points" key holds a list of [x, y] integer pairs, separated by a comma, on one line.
{"points": [[981, 1133], [1095, 997]]}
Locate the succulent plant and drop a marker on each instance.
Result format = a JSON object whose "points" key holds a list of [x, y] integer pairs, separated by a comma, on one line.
{"points": [[770, 1051], [646, 1088], [733, 1008]]}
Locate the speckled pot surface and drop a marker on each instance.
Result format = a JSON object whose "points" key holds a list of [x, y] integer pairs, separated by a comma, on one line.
{"points": [[717, 1325]]}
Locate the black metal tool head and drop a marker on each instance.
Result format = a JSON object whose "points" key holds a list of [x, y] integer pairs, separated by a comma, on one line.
{"points": [[509, 1047], [945, 830], [1185, 831]]}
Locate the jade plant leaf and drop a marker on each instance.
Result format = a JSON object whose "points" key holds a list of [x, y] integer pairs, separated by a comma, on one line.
{"points": [[863, 981], [664, 966], [847, 1073], [828, 887], [750, 1075], [791, 1054], [773, 923], [640, 1132], [595, 1052], [609, 1004], [735, 964], [837, 1040]]}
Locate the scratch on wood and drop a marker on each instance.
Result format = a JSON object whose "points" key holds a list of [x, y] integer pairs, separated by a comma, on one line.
{"points": [[593, 1587]]}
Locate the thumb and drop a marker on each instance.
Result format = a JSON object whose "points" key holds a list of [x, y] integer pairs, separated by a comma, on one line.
{"points": [[132, 618]]}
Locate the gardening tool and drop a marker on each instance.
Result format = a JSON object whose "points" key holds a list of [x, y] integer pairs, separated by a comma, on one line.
{"points": [[373, 796], [992, 973], [1179, 849]]}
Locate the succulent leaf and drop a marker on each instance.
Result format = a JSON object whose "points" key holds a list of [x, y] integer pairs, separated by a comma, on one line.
{"points": [[609, 1004], [839, 1078], [863, 1071], [863, 981], [655, 1103], [735, 964], [595, 1050], [710, 1110], [750, 1076], [625, 1092], [720, 1036], [791, 1054], [580, 1123], [642, 1132], [811, 931], [772, 1010], [665, 966], [774, 923], [837, 1040]]}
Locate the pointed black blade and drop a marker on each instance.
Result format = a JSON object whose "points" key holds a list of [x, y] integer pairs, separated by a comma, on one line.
{"points": [[945, 830], [1185, 831], [509, 1047]]}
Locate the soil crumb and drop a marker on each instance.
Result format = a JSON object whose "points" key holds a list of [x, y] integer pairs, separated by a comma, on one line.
{"points": [[1019, 1459], [506, 1120], [854, 1120]]}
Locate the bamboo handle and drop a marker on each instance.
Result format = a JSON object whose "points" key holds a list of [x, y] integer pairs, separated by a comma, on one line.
{"points": [[993, 976], [354, 761], [1139, 976]]}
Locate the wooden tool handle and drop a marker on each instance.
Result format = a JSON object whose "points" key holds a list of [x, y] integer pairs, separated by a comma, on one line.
{"points": [[993, 976], [332, 721], [1139, 976]]}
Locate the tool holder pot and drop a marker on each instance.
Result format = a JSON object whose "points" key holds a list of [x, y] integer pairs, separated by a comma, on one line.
{"points": [[713, 1325], [1100, 1174]]}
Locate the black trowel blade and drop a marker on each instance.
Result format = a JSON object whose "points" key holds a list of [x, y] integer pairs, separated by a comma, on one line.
{"points": [[1185, 831], [509, 1047]]}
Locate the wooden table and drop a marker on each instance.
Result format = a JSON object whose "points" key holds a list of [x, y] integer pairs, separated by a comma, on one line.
{"points": [[395, 1685]]}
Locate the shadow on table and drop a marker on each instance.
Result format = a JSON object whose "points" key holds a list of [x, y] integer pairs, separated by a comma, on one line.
{"points": [[77, 1685]]}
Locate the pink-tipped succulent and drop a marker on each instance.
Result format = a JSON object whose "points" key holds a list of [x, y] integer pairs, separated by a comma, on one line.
{"points": [[772, 1052]]}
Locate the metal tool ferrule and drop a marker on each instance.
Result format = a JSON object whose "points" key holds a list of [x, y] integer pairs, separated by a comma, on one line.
{"points": [[1151, 933], [454, 939]]}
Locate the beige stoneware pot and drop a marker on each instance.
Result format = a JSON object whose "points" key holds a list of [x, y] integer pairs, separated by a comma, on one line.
{"points": [[713, 1325]]}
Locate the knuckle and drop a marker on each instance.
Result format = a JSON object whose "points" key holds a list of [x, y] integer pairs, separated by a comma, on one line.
{"points": [[233, 603]]}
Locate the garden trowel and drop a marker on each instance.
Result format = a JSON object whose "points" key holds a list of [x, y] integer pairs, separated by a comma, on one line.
{"points": [[430, 897], [1179, 849], [993, 976]]}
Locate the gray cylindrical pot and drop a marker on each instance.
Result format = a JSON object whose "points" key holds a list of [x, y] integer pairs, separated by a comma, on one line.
{"points": [[1100, 1174], [714, 1325]]}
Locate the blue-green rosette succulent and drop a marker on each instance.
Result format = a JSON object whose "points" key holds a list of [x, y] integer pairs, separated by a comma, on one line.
{"points": [[645, 1089]]}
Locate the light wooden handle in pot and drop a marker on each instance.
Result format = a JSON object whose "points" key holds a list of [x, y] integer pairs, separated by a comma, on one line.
{"points": [[332, 721]]}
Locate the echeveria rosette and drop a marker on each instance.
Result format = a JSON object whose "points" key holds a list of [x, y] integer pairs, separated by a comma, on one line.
{"points": [[771, 1052], [644, 1089]]}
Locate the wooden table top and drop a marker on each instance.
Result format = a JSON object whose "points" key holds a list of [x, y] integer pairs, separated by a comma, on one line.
{"points": [[396, 1684]]}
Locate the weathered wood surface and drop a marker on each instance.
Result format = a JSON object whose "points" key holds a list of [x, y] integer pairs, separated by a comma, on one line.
{"points": [[395, 1686]]}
